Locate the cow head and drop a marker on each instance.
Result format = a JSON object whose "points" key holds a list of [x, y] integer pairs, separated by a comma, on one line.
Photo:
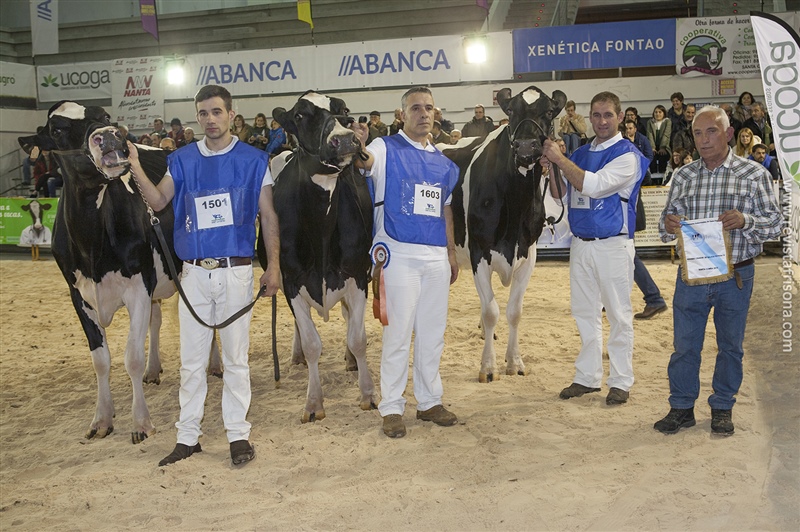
{"points": [[530, 115], [320, 125], [36, 210], [107, 149], [65, 134]]}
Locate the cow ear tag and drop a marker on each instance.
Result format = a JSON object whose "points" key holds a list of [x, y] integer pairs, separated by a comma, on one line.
{"points": [[380, 258]]}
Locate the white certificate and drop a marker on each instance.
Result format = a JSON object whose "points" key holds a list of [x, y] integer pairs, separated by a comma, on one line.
{"points": [[706, 252]]}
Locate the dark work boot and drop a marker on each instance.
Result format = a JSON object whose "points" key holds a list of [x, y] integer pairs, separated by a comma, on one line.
{"points": [[721, 422], [677, 419]]}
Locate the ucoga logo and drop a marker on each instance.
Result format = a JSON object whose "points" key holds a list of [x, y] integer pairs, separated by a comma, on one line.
{"points": [[781, 83], [78, 80]]}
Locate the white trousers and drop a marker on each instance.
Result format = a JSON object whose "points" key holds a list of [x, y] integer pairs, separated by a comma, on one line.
{"points": [[601, 275], [215, 295], [416, 300]]}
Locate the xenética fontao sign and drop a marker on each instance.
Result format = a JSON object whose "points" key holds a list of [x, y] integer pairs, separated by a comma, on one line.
{"points": [[590, 46]]}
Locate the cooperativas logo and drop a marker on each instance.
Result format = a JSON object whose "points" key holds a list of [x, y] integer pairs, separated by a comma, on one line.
{"points": [[703, 53]]}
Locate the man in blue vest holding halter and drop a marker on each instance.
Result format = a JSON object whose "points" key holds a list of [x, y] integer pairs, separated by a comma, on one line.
{"points": [[601, 188], [414, 234], [218, 185]]}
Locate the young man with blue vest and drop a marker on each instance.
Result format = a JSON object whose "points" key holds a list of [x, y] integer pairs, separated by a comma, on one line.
{"points": [[414, 231], [218, 186], [602, 185]]}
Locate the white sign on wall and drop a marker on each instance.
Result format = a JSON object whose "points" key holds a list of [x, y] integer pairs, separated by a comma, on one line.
{"points": [[397, 62], [17, 80], [137, 86], [77, 81]]}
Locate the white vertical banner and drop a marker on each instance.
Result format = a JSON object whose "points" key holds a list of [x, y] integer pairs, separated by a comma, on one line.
{"points": [[137, 91], [779, 56], [44, 27]]}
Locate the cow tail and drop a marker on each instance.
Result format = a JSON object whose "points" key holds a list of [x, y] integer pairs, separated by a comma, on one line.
{"points": [[275, 361]]}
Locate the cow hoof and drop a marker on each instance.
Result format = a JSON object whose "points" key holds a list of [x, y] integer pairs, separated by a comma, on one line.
{"points": [[368, 405], [216, 373], [514, 371], [102, 433], [486, 377], [319, 415], [138, 437], [149, 380]]}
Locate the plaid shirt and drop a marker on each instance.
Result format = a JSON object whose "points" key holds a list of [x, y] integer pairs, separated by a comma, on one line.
{"points": [[739, 184]]}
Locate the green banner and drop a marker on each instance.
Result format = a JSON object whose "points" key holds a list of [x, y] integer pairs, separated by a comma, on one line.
{"points": [[24, 224]]}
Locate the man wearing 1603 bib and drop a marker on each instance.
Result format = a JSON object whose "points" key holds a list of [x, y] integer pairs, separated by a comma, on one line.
{"points": [[219, 185], [414, 225]]}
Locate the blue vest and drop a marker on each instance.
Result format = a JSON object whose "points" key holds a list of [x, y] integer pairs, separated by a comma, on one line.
{"points": [[216, 201], [604, 217], [421, 179]]}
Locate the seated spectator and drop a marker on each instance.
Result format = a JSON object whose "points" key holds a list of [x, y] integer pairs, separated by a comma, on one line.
{"points": [[167, 145], [743, 107], [27, 161], [242, 130], [158, 128], [438, 135], [188, 134], [375, 121], [677, 160], [759, 125], [735, 123], [502, 122], [572, 128], [632, 113], [675, 115], [659, 133], [447, 126], [759, 154], [155, 140], [639, 140], [44, 168], [259, 136], [744, 143], [397, 124], [480, 125], [123, 129], [177, 133], [145, 140], [684, 138], [455, 136], [277, 138]]}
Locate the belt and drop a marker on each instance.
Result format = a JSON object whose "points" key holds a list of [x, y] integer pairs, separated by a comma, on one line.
{"points": [[742, 264], [224, 262], [600, 238]]}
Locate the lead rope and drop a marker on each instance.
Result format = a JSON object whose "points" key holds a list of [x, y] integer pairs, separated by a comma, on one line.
{"points": [[156, 223]]}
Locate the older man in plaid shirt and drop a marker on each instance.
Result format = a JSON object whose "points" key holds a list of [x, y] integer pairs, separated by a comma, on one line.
{"points": [[735, 191]]}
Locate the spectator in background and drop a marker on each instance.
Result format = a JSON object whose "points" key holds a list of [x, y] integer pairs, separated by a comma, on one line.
{"points": [[375, 121], [675, 115], [176, 133], [438, 135], [397, 124], [632, 113], [735, 123], [168, 145], [659, 130], [155, 140], [447, 126], [744, 143], [572, 128], [653, 300], [760, 155], [679, 155], [241, 129], [743, 107], [480, 125], [44, 168], [759, 125], [684, 138], [455, 136], [27, 161], [259, 135], [188, 134], [145, 140], [126, 134], [639, 140], [158, 128], [277, 138]]}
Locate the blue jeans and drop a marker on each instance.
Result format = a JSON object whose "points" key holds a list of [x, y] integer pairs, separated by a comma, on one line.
{"points": [[691, 307], [573, 142], [642, 278]]}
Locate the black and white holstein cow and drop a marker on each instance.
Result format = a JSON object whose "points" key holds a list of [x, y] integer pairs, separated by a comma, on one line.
{"points": [[325, 214], [498, 211], [107, 250]]}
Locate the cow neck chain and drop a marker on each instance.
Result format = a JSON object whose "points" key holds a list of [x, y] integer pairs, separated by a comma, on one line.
{"points": [[150, 212]]}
